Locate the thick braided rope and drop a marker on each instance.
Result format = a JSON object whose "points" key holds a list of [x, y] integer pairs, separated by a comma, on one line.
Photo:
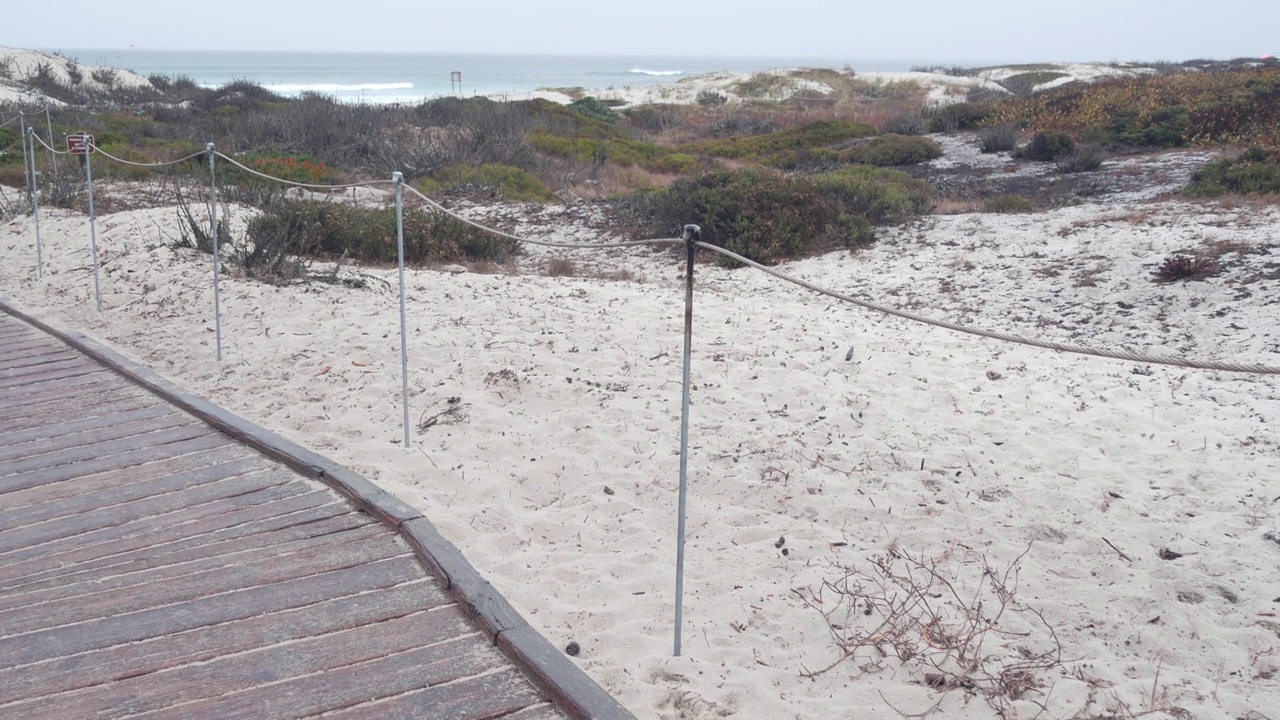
{"points": [[10, 121], [543, 243], [122, 161], [310, 186], [1003, 336], [49, 147]]}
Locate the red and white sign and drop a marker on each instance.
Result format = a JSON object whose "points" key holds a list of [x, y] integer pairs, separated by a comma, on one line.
{"points": [[80, 144]]}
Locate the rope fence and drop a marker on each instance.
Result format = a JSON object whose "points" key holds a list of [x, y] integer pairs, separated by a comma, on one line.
{"points": [[692, 241]]}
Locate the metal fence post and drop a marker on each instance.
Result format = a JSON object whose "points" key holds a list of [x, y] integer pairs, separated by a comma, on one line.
{"points": [[217, 257], [398, 179], [26, 173], [692, 234], [93, 229], [48, 123], [35, 203]]}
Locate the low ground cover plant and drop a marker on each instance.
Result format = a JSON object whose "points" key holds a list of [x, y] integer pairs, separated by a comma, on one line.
{"points": [[330, 230], [768, 215], [1257, 171]]}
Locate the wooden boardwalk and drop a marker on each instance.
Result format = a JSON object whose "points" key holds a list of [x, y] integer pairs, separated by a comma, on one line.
{"points": [[153, 566]]}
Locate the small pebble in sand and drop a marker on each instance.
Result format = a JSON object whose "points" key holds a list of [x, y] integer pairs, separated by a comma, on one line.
{"points": [[572, 649]]}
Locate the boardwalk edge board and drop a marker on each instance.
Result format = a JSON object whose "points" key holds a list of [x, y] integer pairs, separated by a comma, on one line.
{"points": [[549, 668]]}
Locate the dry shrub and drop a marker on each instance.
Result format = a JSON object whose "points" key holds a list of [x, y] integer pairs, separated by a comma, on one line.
{"points": [[918, 614], [1180, 266], [561, 267]]}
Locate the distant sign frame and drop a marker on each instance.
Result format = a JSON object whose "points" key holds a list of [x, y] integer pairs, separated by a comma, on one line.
{"points": [[81, 144]]}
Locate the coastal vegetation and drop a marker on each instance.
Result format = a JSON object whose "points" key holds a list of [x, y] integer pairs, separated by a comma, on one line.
{"points": [[782, 170]]}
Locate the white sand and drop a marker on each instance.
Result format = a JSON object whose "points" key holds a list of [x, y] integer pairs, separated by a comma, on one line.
{"points": [[21, 66], [964, 452]]}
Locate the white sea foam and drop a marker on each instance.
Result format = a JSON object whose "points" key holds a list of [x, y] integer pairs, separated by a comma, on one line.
{"points": [[659, 73], [333, 88]]}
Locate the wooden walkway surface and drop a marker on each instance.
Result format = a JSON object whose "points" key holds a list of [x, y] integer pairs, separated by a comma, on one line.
{"points": [[152, 566]]}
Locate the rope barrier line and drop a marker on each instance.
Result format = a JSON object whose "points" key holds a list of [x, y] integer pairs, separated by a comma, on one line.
{"points": [[1253, 368], [51, 148], [11, 145], [10, 121], [122, 161], [543, 243], [1257, 369], [313, 186]]}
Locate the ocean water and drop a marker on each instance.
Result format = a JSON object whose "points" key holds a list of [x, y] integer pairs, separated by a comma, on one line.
{"points": [[411, 78]]}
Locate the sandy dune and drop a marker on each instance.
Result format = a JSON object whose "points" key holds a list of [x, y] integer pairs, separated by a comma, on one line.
{"points": [[1115, 513]]}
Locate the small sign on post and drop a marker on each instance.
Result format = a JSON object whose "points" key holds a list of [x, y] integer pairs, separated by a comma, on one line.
{"points": [[81, 144]]}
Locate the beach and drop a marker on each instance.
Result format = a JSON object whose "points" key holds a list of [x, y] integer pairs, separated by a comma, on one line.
{"points": [[875, 506]]}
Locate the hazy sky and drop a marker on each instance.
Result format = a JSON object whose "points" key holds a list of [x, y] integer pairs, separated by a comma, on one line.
{"points": [[963, 31]]}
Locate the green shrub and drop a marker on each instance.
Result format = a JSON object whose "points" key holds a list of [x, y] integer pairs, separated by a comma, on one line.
{"points": [[504, 181], [651, 157], [1164, 128], [881, 195], [10, 146], [1002, 138], [768, 216], [763, 84], [333, 229], [1048, 146], [594, 109], [1008, 204], [771, 145], [711, 98], [890, 150], [958, 116], [1257, 171], [1084, 159]]}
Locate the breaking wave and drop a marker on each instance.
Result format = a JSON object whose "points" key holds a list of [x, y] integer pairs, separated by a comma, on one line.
{"points": [[660, 73], [335, 88]]}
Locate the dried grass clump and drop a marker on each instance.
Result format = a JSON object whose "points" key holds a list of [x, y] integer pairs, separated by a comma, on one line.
{"points": [[1186, 267]]}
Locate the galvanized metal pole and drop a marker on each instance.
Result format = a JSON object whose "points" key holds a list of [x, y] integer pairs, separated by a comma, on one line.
{"points": [[26, 174], [93, 228], [48, 124], [398, 179], [692, 233], [217, 256], [35, 204]]}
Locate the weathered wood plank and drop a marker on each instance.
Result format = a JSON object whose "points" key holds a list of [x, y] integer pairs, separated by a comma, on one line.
{"points": [[96, 667], [214, 679], [108, 487], [103, 443], [67, 387], [301, 562], [108, 427], [163, 555], [170, 522], [346, 686], [21, 345], [97, 404], [54, 355], [34, 380], [296, 511], [116, 579], [154, 511], [68, 399], [198, 441], [20, 371], [495, 695], [208, 611]]}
